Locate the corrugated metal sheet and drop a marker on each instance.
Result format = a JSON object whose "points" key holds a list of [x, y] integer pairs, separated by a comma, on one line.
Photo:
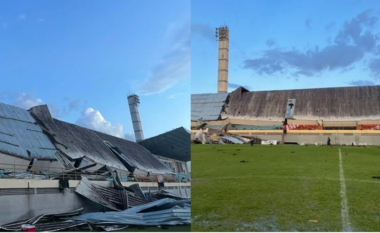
{"points": [[88, 190], [19, 134], [108, 197], [139, 156], [173, 144], [17, 226], [75, 142], [162, 212], [333, 104], [207, 106], [232, 139], [137, 190]]}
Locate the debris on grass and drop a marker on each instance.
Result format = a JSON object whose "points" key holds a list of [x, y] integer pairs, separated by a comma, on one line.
{"points": [[313, 220]]}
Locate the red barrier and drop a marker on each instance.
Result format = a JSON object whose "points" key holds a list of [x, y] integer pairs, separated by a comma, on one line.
{"points": [[28, 228], [301, 127], [369, 127]]}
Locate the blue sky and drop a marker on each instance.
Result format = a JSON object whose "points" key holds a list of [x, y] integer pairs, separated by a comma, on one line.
{"points": [[84, 58], [287, 44]]}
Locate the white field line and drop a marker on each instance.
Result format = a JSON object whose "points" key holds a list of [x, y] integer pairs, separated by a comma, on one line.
{"points": [[346, 225]]}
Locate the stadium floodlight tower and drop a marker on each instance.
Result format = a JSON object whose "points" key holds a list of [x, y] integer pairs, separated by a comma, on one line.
{"points": [[222, 35], [134, 101]]}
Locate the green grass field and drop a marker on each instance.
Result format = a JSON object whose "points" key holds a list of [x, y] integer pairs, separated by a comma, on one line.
{"points": [[284, 188]]}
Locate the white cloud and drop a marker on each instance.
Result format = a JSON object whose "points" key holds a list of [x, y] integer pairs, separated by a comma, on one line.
{"points": [[90, 118], [174, 66], [93, 119], [173, 96], [26, 101], [130, 137], [22, 16]]}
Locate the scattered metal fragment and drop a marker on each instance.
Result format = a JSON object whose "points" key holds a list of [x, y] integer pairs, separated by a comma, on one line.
{"points": [[90, 191], [164, 194], [112, 198], [162, 212], [137, 190], [16, 226], [107, 228], [58, 226]]}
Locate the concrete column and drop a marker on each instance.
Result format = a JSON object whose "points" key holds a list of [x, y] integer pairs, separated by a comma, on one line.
{"points": [[223, 59]]}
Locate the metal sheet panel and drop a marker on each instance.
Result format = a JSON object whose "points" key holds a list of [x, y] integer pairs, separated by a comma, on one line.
{"points": [[161, 212], [174, 144], [232, 139], [76, 142], [19, 134], [332, 104], [207, 106]]}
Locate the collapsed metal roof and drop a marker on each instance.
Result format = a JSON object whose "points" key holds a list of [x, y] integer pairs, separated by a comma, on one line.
{"points": [[174, 144], [136, 154], [161, 212], [20, 136], [76, 142], [341, 103], [207, 106]]}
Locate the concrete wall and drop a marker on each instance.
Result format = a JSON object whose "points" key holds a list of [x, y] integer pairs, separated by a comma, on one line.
{"points": [[321, 138], [17, 201], [336, 138]]}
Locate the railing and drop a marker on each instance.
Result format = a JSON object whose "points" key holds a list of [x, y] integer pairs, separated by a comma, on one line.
{"points": [[256, 127], [19, 171]]}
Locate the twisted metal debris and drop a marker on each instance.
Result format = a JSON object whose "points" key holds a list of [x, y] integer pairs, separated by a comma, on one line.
{"points": [[158, 213]]}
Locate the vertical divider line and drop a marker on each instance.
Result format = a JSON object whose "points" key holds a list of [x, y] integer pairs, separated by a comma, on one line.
{"points": [[346, 225]]}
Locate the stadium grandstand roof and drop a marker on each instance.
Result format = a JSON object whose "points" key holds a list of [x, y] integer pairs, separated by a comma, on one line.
{"points": [[329, 104], [207, 106], [333, 104], [174, 144], [75, 142], [20, 136]]}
